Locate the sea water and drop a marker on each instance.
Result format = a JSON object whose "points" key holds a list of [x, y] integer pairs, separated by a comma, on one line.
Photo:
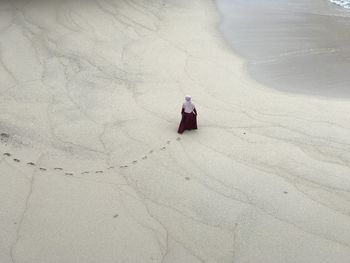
{"points": [[293, 46], [343, 3]]}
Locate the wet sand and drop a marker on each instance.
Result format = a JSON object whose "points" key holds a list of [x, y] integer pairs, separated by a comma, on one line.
{"points": [[292, 46]]}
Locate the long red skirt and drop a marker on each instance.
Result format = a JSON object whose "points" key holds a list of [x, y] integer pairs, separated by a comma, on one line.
{"points": [[188, 122]]}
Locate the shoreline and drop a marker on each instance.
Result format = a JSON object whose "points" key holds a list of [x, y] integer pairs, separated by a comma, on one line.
{"points": [[296, 55]]}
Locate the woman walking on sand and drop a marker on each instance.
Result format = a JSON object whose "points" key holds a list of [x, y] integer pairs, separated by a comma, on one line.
{"points": [[189, 116]]}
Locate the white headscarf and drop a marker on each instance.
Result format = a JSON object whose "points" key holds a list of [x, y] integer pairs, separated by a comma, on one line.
{"points": [[188, 105]]}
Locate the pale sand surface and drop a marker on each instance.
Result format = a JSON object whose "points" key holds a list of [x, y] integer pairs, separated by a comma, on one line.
{"points": [[89, 87]]}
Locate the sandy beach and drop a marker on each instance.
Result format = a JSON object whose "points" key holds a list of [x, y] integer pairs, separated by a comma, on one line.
{"points": [[92, 169]]}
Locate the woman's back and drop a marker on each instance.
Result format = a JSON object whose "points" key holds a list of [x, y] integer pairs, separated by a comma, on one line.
{"points": [[189, 116]]}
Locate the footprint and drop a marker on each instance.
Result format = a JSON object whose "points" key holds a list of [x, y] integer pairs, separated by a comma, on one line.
{"points": [[42, 169], [123, 166], [99, 172], [7, 154], [144, 157], [163, 148], [115, 216], [285, 192], [85, 172], [58, 169], [111, 167], [31, 163], [151, 151], [16, 160], [178, 139], [168, 142], [187, 178], [70, 174], [135, 161], [5, 135]]}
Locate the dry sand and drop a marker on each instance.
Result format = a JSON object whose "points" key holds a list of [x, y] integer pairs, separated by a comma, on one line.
{"points": [[90, 97]]}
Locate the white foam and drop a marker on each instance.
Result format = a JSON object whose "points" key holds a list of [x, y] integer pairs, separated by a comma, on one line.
{"points": [[343, 3]]}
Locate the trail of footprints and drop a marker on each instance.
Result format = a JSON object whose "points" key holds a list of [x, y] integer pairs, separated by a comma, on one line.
{"points": [[68, 173]]}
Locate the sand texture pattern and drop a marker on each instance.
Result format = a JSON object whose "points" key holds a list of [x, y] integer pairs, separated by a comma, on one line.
{"points": [[92, 169]]}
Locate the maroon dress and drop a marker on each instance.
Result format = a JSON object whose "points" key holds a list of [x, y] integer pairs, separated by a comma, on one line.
{"points": [[188, 121]]}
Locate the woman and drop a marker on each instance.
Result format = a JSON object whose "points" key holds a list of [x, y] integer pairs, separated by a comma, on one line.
{"points": [[189, 116]]}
